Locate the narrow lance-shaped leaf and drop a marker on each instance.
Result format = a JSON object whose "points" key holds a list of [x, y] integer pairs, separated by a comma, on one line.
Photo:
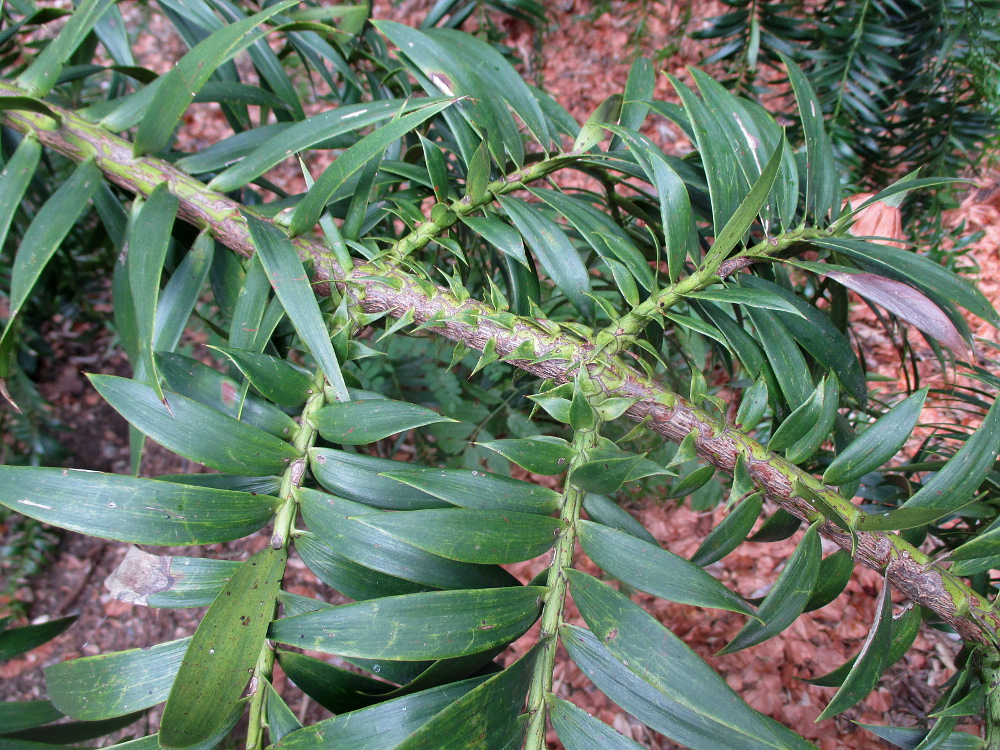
{"points": [[871, 662], [655, 570], [277, 379], [680, 234], [479, 489], [309, 209], [880, 442], [484, 718], [43, 72], [178, 87], [195, 431], [16, 641], [578, 730], [554, 251], [539, 454], [956, 483], [108, 685], [129, 509], [655, 676], [907, 303], [822, 180], [742, 219], [414, 627], [14, 179], [787, 598], [149, 240], [470, 535], [366, 421], [221, 658], [730, 532], [291, 285], [47, 231]]}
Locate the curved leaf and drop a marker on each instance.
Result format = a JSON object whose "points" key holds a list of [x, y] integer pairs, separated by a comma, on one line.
{"points": [[366, 421], [479, 489], [655, 570], [129, 509], [196, 431]]}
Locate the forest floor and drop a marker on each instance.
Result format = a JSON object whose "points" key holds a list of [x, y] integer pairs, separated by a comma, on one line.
{"points": [[581, 58]]}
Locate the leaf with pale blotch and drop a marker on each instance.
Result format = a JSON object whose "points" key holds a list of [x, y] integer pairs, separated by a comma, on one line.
{"points": [[221, 658]]}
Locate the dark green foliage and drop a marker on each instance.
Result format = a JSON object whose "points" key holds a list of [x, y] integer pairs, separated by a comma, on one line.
{"points": [[434, 222]]}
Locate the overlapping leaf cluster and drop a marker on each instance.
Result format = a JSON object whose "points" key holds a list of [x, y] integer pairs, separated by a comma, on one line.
{"points": [[442, 215], [904, 84]]}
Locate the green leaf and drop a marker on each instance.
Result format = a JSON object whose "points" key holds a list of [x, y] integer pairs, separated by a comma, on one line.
{"points": [[500, 235], [469, 535], [46, 233], [835, 573], [479, 489], [655, 570], [578, 730], [904, 631], [149, 240], [369, 420], [364, 479], [64, 733], [799, 422], [43, 73], [263, 153], [822, 178], [790, 367], [431, 625], [605, 511], [777, 527], [178, 87], [655, 676], [208, 386], [599, 231], [608, 467], [753, 405], [180, 295], [192, 581], [910, 737], [720, 165], [17, 641], [680, 233], [871, 662], [108, 685], [18, 715], [554, 251], [788, 596], [347, 576], [730, 533], [308, 211], [280, 719], [223, 653], [379, 727], [141, 511], [955, 484], [454, 64], [539, 454], [814, 332], [14, 179], [594, 129], [343, 525], [277, 379], [803, 449], [486, 717], [335, 689], [742, 219], [291, 285], [901, 518], [877, 444], [195, 431]]}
